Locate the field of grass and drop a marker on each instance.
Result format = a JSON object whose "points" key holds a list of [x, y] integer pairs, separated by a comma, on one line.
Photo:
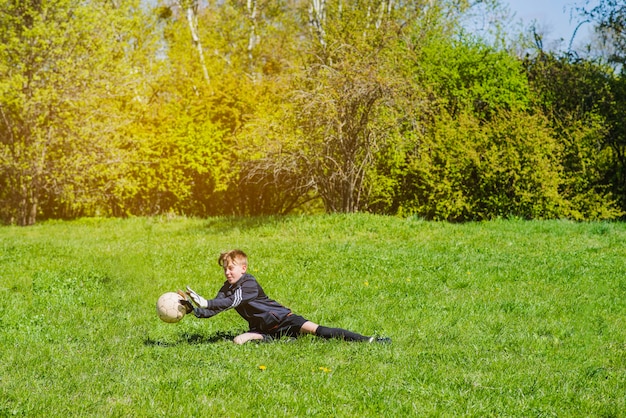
{"points": [[504, 318]]}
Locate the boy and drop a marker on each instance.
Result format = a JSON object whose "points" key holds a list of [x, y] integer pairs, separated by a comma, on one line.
{"points": [[267, 318]]}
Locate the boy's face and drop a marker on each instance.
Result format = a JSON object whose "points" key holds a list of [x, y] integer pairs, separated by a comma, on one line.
{"points": [[233, 271]]}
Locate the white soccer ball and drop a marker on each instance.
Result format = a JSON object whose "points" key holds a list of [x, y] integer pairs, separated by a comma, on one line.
{"points": [[169, 308]]}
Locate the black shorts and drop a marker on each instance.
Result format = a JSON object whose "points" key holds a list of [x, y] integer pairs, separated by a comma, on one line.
{"points": [[289, 327]]}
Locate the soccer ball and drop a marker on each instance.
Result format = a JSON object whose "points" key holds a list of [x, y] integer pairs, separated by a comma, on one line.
{"points": [[169, 308]]}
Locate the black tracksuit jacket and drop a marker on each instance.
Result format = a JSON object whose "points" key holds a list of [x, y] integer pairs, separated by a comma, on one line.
{"points": [[250, 301]]}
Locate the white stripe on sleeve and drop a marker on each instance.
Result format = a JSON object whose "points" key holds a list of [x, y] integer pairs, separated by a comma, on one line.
{"points": [[238, 298]]}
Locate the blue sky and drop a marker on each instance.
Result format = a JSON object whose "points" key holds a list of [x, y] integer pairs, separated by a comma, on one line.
{"points": [[552, 17]]}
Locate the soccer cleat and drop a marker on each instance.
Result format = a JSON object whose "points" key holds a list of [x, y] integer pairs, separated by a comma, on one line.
{"points": [[380, 340]]}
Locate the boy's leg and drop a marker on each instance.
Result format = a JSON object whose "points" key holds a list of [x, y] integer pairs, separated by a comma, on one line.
{"points": [[309, 327], [325, 332], [248, 336]]}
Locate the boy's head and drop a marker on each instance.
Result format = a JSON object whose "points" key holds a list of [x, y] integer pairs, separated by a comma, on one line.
{"points": [[234, 263]]}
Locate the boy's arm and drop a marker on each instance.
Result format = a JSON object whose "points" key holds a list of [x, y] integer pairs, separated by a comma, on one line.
{"points": [[205, 313], [198, 311], [201, 311], [221, 302], [247, 291]]}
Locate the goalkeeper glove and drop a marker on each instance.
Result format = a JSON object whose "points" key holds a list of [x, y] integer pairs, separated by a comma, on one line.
{"points": [[197, 299], [185, 302]]}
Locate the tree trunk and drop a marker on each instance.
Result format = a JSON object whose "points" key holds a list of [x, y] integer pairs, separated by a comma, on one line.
{"points": [[191, 20]]}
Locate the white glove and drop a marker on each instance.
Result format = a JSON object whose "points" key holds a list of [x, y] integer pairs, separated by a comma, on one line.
{"points": [[197, 299]]}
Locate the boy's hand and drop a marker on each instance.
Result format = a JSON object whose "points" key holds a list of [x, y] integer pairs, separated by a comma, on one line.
{"points": [[185, 302], [197, 299], [188, 306]]}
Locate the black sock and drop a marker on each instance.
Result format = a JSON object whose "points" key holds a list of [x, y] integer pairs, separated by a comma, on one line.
{"points": [[343, 334]]}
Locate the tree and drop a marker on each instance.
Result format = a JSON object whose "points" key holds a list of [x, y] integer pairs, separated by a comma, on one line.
{"points": [[343, 98], [483, 150], [609, 18], [66, 83], [189, 9], [337, 121], [584, 104], [251, 44]]}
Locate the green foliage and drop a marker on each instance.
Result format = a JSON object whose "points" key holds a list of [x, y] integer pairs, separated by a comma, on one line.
{"points": [[66, 86], [172, 164], [347, 101], [248, 67], [582, 101], [468, 75], [475, 152], [472, 170], [488, 319], [207, 108]]}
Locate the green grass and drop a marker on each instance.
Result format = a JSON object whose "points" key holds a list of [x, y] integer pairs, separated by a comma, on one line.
{"points": [[505, 318]]}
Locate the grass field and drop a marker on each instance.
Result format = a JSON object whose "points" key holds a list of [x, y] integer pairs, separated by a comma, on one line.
{"points": [[504, 318]]}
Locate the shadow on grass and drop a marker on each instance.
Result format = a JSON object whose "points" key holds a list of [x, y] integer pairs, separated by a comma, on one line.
{"points": [[192, 339]]}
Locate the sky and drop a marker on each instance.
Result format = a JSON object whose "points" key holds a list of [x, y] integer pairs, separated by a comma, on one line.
{"points": [[552, 17]]}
